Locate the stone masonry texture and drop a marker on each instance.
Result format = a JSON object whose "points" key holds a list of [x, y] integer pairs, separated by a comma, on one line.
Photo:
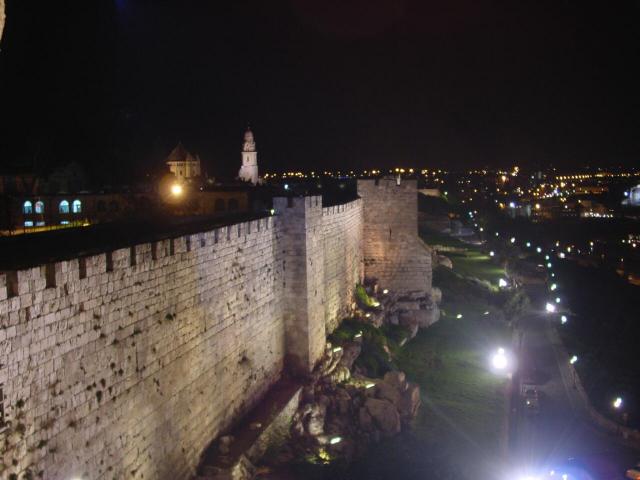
{"points": [[127, 364], [393, 252]]}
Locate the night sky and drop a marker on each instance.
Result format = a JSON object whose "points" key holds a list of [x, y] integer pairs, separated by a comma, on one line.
{"points": [[327, 84]]}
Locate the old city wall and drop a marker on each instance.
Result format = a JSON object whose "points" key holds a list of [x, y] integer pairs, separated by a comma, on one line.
{"points": [[343, 267], [393, 252], [126, 364]]}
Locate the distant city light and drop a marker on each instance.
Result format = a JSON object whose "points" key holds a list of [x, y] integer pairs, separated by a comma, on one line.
{"points": [[550, 307]]}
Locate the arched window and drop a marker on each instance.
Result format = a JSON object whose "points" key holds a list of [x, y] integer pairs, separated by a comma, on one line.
{"points": [[64, 207], [219, 205], [27, 207], [76, 206], [233, 204], [39, 206]]}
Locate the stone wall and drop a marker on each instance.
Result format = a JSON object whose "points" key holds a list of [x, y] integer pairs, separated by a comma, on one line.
{"points": [[393, 252], [343, 267], [126, 364]]}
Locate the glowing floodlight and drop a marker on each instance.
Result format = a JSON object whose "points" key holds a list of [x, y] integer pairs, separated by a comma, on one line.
{"points": [[550, 307], [502, 283], [176, 189], [617, 403], [499, 360]]}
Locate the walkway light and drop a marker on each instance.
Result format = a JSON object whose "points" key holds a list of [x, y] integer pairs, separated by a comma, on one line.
{"points": [[550, 307], [499, 360], [573, 359], [617, 403]]}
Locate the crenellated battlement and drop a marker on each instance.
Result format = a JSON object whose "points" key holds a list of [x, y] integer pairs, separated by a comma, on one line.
{"points": [[105, 355]]}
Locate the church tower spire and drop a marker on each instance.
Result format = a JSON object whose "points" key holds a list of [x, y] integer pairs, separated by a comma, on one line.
{"points": [[249, 168]]}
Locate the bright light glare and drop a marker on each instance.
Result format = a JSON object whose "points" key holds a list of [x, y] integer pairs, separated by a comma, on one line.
{"points": [[617, 403], [561, 255], [459, 315], [557, 299], [553, 287], [491, 253], [502, 283], [563, 319], [176, 189], [499, 360], [513, 240], [385, 291], [573, 359], [539, 250], [335, 440], [549, 265], [550, 307]]}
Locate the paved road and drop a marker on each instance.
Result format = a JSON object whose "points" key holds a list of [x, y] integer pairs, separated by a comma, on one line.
{"points": [[562, 428]]}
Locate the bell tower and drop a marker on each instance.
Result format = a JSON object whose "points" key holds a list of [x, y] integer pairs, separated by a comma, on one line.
{"points": [[249, 168]]}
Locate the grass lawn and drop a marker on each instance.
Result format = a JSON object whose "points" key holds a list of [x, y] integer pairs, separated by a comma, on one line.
{"points": [[470, 262]]}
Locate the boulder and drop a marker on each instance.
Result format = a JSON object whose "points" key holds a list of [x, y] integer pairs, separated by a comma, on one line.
{"points": [[388, 392], [385, 416], [350, 352], [410, 403], [396, 379]]}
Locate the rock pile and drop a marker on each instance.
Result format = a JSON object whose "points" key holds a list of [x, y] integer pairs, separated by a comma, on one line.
{"points": [[339, 418]]}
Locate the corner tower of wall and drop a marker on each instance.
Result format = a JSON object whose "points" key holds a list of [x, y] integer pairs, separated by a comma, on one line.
{"points": [[393, 252], [302, 246]]}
